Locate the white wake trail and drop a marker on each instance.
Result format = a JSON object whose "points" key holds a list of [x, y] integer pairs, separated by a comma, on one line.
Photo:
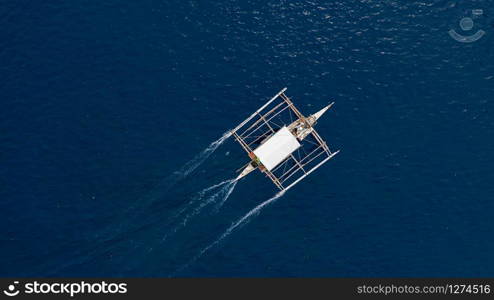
{"points": [[229, 191], [191, 165], [199, 197], [167, 183], [222, 194], [230, 229]]}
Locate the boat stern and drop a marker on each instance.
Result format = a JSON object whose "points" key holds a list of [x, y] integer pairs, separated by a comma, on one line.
{"points": [[249, 168]]}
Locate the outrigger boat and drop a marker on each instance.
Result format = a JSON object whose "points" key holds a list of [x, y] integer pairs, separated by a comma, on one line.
{"points": [[281, 142]]}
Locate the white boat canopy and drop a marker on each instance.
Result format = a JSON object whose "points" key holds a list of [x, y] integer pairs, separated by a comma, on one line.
{"points": [[277, 148]]}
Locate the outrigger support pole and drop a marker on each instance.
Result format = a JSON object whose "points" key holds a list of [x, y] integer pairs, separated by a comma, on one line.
{"points": [[257, 111]]}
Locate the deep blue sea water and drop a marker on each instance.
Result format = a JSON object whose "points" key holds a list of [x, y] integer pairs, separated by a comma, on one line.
{"points": [[104, 102]]}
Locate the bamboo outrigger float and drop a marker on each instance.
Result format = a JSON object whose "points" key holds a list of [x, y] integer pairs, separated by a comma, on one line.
{"points": [[281, 142]]}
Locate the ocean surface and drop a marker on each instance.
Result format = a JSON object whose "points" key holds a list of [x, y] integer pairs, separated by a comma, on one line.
{"points": [[111, 110]]}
